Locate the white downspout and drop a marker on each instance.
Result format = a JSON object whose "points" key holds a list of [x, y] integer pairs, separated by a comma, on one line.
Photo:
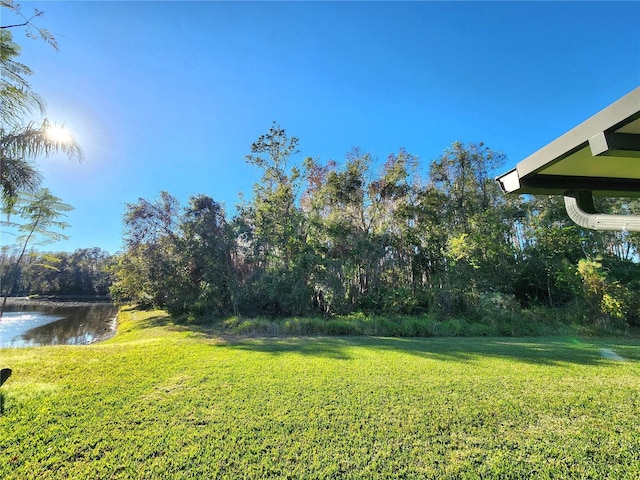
{"points": [[580, 208]]}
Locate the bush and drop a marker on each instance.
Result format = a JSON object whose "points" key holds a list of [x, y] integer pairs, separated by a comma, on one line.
{"points": [[403, 300], [342, 327], [257, 326], [607, 301], [453, 303], [454, 327], [416, 327], [304, 326], [383, 327]]}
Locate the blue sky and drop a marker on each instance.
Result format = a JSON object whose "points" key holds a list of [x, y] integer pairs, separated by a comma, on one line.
{"points": [[170, 95]]}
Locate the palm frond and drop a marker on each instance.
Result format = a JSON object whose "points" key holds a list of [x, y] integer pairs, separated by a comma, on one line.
{"points": [[9, 67], [32, 141], [17, 174], [17, 103], [48, 37]]}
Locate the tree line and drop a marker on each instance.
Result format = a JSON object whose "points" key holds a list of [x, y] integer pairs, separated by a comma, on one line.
{"points": [[398, 238], [84, 272]]}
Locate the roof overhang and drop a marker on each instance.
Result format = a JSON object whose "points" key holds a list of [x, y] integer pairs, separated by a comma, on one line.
{"points": [[601, 155]]}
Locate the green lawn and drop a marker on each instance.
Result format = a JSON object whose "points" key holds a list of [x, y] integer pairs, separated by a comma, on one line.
{"points": [[163, 401]]}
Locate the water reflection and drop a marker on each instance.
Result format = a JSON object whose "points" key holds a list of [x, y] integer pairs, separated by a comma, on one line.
{"points": [[25, 326]]}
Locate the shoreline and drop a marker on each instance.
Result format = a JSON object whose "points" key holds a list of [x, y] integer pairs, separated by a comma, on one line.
{"points": [[59, 301]]}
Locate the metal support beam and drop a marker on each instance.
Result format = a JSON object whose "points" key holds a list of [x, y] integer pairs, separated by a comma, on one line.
{"points": [[615, 144], [580, 208]]}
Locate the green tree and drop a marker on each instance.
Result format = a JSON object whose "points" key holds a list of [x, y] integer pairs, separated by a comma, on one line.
{"points": [[481, 254], [82, 272], [622, 245], [359, 231], [337, 207], [176, 258], [208, 286], [463, 174], [272, 229], [607, 302], [275, 219], [146, 272], [550, 255]]}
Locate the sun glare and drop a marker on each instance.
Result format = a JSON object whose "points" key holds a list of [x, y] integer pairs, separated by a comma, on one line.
{"points": [[59, 134]]}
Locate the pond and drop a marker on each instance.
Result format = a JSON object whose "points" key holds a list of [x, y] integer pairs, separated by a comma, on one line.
{"points": [[25, 325]]}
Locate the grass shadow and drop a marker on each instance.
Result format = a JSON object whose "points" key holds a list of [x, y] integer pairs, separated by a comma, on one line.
{"points": [[157, 321], [328, 347], [537, 351], [547, 351], [147, 321]]}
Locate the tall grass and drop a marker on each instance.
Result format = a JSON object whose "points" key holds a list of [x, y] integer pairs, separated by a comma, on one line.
{"points": [[511, 325], [163, 400]]}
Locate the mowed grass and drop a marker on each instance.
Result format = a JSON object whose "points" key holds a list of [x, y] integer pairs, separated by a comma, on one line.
{"points": [[163, 401]]}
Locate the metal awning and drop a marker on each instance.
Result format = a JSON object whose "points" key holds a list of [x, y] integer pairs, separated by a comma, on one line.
{"points": [[601, 156]]}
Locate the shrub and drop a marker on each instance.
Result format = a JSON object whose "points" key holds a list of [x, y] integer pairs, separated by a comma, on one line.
{"points": [[304, 326], [231, 323], [385, 327], [454, 327], [342, 327], [606, 301], [477, 329], [257, 326], [403, 300], [416, 327], [454, 303]]}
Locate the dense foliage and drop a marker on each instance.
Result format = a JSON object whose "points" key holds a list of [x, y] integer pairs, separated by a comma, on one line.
{"points": [[82, 272], [323, 238]]}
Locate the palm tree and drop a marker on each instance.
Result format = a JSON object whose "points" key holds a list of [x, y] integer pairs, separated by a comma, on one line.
{"points": [[18, 146], [22, 141]]}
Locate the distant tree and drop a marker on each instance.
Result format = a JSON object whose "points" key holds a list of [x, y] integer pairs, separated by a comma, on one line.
{"points": [[275, 216], [354, 239], [622, 245], [336, 239], [361, 231], [553, 248], [336, 210], [82, 272]]}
